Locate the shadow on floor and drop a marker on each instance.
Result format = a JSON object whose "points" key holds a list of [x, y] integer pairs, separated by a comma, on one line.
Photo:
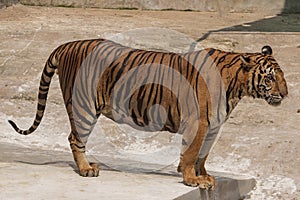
{"points": [[283, 22]]}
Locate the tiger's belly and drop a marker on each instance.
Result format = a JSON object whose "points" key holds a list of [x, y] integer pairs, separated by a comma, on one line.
{"points": [[146, 122], [159, 111]]}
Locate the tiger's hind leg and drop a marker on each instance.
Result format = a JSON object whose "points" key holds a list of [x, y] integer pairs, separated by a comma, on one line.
{"points": [[82, 124], [85, 168]]}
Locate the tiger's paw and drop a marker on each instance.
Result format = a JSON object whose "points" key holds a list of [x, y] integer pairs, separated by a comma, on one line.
{"points": [[206, 182], [92, 171]]}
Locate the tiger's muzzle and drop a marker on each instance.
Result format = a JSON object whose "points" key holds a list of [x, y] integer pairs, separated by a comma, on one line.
{"points": [[275, 100]]}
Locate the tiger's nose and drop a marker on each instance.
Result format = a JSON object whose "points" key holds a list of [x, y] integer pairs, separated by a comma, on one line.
{"points": [[283, 94], [283, 90]]}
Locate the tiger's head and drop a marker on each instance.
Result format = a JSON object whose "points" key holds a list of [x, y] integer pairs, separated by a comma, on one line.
{"points": [[265, 77]]}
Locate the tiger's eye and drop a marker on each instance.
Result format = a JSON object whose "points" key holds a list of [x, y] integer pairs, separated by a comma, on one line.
{"points": [[269, 77]]}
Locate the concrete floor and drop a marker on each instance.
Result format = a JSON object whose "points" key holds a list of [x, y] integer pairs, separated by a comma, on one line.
{"points": [[258, 141]]}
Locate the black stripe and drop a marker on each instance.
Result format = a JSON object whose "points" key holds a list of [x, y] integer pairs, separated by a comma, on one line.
{"points": [[120, 71], [42, 96], [38, 117], [81, 117], [253, 82], [109, 79], [41, 107], [139, 100], [142, 93], [222, 58], [145, 116], [133, 117], [31, 129], [79, 147], [204, 61], [172, 66], [219, 103], [44, 89], [233, 61], [107, 50], [207, 115], [230, 88], [195, 59], [83, 103], [211, 52], [170, 117], [131, 81], [36, 123]]}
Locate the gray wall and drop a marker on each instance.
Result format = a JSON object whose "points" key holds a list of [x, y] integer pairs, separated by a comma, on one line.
{"points": [[268, 6], [4, 3]]}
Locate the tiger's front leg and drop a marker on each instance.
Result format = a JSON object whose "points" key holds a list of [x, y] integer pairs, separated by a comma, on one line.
{"points": [[85, 168], [188, 163], [200, 166]]}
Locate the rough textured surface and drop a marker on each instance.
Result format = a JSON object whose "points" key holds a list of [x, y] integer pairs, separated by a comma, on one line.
{"points": [[266, 6], [41, 168], [254, 6], [258, 140], [4, 3]]}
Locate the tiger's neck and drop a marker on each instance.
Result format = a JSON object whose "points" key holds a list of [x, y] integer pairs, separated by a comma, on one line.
{"points": [[234, 78]]}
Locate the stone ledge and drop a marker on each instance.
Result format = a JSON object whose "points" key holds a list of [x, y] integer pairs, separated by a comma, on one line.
{"points": [[51, 172]]}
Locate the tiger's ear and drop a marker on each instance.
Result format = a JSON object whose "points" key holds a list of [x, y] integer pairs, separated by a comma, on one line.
{"points": [[247, 62], [266, 50]]}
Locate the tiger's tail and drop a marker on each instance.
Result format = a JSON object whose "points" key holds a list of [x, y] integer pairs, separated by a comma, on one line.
{"points": [[48, 72]]}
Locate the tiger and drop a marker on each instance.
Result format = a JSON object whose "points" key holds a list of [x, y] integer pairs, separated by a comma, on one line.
{"points": [[189, 93]]}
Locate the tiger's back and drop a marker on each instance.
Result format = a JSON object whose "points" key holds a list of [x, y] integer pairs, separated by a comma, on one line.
{"points": [[107, 71]]}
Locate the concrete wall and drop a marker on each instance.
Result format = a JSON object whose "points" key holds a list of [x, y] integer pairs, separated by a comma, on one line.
{"points": [[4, 3], [268, 6]]}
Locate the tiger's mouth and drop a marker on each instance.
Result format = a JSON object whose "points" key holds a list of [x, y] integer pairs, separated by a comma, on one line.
{"points": [[274, 100]]}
